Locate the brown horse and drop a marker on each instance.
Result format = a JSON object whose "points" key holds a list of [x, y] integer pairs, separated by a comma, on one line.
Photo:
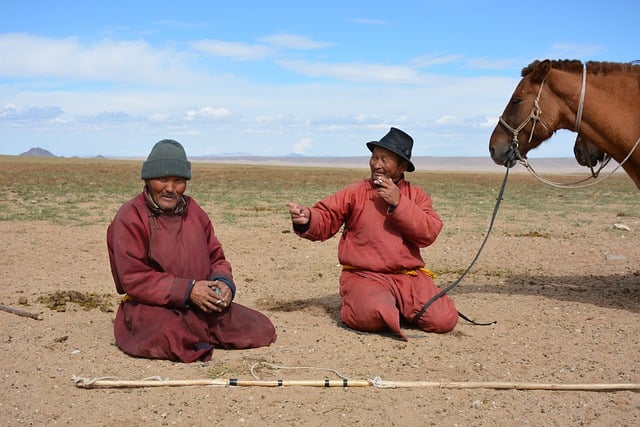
{"points": [[600, 100]]}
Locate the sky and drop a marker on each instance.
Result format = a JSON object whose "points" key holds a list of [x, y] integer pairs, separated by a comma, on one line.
{"points": [[274, 78]]}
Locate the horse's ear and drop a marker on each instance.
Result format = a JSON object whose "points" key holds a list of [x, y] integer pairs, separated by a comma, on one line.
{"points": [[529, 68], [540, 71]]}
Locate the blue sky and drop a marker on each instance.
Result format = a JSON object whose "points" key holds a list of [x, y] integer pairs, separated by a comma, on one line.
{"points": [[275, 77]]}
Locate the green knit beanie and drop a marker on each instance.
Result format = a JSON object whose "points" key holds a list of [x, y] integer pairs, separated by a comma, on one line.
{"points": [[167, 158]]}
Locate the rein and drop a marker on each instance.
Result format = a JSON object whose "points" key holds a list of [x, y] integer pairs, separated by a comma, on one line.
{"points": [[512, 154], [578, 184]]}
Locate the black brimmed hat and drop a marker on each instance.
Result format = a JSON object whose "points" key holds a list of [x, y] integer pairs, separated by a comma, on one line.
{"points": [[398, 142]]}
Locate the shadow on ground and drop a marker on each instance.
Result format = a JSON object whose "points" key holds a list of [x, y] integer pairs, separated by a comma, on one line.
{"points": [[620, 291]]}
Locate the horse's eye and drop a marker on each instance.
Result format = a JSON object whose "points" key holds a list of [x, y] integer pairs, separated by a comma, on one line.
{"points": [[515, 101]]}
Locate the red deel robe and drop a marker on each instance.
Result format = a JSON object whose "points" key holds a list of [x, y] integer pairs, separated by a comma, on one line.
{"points": [[378, 246], [155, 260]]}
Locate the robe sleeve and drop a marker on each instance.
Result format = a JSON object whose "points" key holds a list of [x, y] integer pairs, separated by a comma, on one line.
{"points": [[327, 217], [416, 219]]}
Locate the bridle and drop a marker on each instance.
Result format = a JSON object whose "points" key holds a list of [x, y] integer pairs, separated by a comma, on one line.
{"points": [[535, 115]]}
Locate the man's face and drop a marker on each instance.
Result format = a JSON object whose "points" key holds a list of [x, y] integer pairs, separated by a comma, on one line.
{"points": [[167, 191], [385, 163]]}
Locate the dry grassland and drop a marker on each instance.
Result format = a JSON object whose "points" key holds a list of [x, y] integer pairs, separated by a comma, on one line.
{"points": [[559, 274]]}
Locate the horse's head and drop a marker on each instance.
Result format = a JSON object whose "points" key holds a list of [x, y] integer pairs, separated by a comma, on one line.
{"points": [[586, 153], [522, 125]]}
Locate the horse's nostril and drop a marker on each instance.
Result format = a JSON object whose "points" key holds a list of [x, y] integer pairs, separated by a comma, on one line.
{"points": [[492, 151]]}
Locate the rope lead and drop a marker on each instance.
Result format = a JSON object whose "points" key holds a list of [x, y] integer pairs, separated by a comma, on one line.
{"points": [[512, 154]]}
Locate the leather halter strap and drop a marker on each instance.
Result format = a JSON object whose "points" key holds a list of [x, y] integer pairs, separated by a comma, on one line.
{"points": [[582, 92], [535, 115]]}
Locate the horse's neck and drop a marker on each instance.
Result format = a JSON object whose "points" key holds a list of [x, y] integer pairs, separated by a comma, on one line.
{"points": [[611, 102], [610, 116]]}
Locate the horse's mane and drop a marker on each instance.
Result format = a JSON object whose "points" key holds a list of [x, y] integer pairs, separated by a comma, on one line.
{"points": [[575, 66]]}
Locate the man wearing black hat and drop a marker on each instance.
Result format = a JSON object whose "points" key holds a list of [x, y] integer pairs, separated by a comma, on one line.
{"points": [[386, 221], [177, 284]]}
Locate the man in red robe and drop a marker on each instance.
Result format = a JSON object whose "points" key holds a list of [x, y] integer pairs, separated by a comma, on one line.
{"points": [[178, 285], [386, 221]]}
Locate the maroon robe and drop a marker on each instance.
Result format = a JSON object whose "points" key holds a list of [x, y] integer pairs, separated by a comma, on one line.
{"points": [[380, 249], [155, 259]]}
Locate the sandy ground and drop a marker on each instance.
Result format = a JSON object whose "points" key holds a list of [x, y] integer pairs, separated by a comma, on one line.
{"points": [[566, 305]]}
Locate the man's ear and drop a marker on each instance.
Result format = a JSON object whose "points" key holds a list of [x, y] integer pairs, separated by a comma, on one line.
{"points": [[404, 165]]}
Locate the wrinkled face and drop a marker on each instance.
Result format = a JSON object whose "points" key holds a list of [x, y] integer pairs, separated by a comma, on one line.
{"points": [[385, 163], [166, 191]]}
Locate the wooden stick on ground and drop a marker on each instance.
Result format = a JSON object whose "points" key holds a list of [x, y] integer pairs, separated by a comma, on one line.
{"points": [[377, 382], [20, 312]]}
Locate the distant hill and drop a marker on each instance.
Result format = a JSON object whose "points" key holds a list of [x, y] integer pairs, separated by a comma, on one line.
{"points": [[38, 152]]}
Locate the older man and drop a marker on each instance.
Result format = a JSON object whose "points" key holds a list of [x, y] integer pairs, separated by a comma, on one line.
{"points": [[386, 221], [166, 259]]}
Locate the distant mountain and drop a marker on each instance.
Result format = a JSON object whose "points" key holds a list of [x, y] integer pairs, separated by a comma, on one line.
{"points": [[38, 152]]}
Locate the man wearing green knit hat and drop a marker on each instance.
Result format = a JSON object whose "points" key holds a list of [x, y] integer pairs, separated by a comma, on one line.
{"points": [[166, 158], [168, 263]]}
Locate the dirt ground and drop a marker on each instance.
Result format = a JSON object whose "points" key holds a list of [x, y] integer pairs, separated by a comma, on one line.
{"points": [[566, 305]]}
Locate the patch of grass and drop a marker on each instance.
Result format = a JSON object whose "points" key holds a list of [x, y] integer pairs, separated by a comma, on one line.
{"points": [[89, 191], [58, 300]]}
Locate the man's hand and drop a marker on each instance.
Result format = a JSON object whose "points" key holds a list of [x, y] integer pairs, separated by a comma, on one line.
{"points": [[210, 296], [388, 190], [299, 214]]}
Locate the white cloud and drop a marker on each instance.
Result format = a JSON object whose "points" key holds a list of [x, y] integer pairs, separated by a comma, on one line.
{"points": [[207, 113], [11, 112], [355, 71], [269, 47], [24, 55], [488, 122], [447, 120], [234, 50], [431, 60], [293, 41], [173, 100], [302, 146]]}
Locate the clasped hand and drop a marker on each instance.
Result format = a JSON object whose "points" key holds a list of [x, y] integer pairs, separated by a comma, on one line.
{"points": [[210, 296]]}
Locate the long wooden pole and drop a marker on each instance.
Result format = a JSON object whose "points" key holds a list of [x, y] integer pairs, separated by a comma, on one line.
{"points": [[115, 383], [496, 385]]}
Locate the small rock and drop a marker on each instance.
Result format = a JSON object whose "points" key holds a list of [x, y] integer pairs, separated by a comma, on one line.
{"points": [[23, 300], [619, 226], [611, 257]]}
